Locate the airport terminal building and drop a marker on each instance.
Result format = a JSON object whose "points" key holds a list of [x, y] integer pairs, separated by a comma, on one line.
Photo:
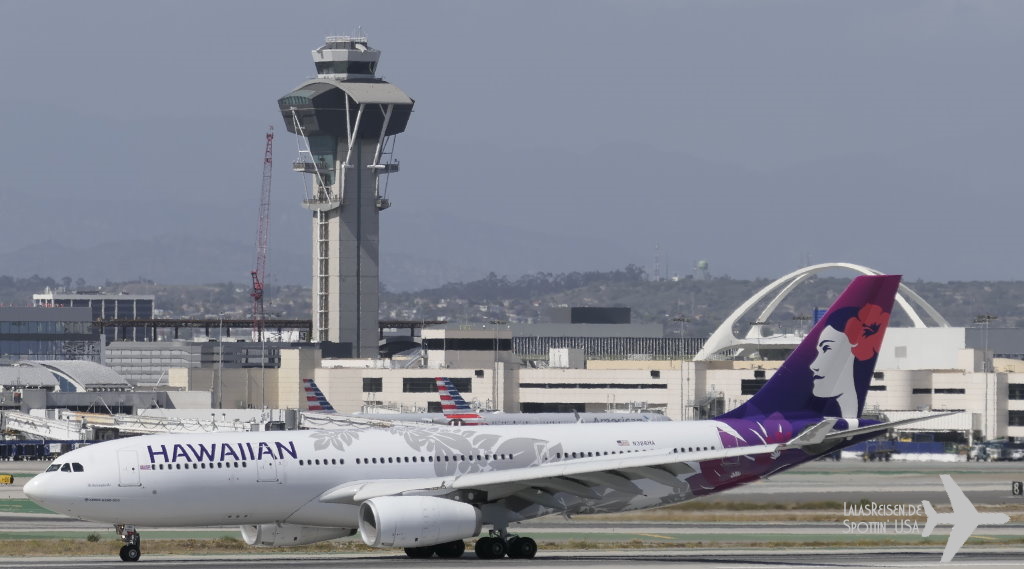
{"points": [[978, 371]]}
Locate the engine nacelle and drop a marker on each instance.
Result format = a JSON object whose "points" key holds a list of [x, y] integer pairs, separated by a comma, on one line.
{"points": [[416, 521], [283, 535]]}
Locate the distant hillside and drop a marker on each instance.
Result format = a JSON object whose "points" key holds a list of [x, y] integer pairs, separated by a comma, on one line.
{"points": [[703, 304], [698, 306]]}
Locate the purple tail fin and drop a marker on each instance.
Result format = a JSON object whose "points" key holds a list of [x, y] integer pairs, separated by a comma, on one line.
{"points": [[828, 374]]}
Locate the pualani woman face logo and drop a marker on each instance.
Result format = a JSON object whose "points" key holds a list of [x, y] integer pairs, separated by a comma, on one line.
{"points": [[850, 336]]}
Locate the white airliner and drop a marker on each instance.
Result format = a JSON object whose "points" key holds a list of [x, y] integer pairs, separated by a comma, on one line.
{"points": [[457, 412], [429, 487], [964, 518]]}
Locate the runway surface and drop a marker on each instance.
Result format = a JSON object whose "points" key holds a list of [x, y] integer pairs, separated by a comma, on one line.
{"points": [[757, 559]]}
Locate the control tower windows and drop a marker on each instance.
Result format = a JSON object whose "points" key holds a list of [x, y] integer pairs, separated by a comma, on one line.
{"points": [[340, 67]]}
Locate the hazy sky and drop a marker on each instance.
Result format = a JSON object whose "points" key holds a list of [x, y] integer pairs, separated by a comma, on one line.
{"points": [[547, 136]]}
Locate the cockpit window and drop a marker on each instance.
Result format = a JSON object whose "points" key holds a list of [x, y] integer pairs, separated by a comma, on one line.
{"points": [[66, 467], [77, 467], [53, 467]]}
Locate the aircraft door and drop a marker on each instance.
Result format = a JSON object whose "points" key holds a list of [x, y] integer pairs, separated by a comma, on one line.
{"points": [[128, 468], [266, 470]]}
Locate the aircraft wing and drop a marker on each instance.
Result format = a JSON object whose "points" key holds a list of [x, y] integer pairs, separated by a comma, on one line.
{"points": [[962, 507], [957, 536], [881, 427], [576, 476]]}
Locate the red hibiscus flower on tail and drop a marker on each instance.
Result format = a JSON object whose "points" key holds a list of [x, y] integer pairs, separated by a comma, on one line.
{"points": [[865, 331]]}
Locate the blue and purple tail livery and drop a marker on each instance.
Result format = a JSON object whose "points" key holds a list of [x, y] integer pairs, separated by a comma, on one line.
{"points": [[828, 374], [315, 399]]}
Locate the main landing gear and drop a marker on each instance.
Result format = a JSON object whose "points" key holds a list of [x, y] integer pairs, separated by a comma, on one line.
{"points": [[495, 546], [500, 543], [131, 550]]}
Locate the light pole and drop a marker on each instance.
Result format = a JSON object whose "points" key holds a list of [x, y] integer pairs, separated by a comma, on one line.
{"points": [[801, 320], [683, 383], [757, 327], [494, 377], [985, 320], [220, 360]]}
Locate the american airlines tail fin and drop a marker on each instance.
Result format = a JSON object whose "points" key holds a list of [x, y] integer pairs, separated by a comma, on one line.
{"points": [[454, 407], [828, 374], [932, 518], [315, 399]]}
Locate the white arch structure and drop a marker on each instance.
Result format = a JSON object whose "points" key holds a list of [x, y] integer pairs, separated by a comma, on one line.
{"points": [[724, 339]]}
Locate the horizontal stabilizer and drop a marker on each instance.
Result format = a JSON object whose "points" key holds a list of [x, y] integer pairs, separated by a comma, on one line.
{"points": [[813, 435], [882, 426]]}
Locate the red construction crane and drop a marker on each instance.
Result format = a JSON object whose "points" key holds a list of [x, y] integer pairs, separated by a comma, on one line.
{"points": [[262, 237]]}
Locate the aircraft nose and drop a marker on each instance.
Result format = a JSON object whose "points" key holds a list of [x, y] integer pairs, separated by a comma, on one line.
{"points": [[34, 490]]}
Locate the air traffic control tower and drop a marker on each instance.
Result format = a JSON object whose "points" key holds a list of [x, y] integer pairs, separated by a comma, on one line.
{"points": [[346, 120]]}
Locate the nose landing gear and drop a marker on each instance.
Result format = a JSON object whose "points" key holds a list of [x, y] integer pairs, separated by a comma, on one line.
{"points": [[131, 550]]}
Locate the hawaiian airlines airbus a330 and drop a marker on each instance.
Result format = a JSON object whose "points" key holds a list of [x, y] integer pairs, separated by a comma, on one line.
{"points": [[428, 487]]}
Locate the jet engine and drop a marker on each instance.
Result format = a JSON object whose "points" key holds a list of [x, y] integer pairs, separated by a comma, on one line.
{"points": [[283, 535], [416, 521]]}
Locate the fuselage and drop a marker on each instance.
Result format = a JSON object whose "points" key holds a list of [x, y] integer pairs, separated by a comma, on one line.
{"points": [[265, 477]]}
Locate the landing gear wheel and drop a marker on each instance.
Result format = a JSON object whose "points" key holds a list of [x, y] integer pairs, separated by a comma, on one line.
{"points": [[451, 549], [132, 548], [522, 548], [419, 552], [130, 553], [490, 548]]}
